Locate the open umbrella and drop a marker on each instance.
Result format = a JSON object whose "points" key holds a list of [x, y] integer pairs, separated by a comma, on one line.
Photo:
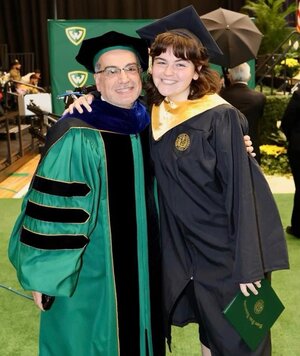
{"points": [[235, 34]]}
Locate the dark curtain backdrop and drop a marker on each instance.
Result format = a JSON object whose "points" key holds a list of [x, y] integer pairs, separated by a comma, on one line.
{"points": [[23, 23]]}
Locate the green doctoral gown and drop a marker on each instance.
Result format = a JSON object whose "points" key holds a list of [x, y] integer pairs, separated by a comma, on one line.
{"points": [[82, 237]]}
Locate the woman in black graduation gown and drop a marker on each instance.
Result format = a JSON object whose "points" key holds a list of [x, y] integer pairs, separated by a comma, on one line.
{"points": [[220, 228]]}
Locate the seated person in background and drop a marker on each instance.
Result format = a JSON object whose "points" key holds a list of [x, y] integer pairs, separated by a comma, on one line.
{"points": [[15, 75], [31, 87], [38, 74], [250, 102], [26, 78], [34, 80], [15, 71]]}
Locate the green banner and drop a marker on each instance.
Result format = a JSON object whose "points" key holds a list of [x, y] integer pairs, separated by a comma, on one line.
{"points": [[65, 37]]}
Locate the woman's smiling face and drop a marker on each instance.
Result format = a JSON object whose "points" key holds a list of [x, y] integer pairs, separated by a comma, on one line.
{"points": [[172, 75]]}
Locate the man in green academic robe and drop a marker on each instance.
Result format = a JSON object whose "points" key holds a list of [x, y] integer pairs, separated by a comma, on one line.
{"points": [[88, 219]]}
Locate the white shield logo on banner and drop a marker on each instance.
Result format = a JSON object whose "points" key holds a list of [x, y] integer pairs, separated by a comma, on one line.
{"points": [[75, 34], [78, 78]]}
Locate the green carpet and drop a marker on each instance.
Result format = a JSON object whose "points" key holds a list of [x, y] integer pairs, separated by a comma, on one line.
{"points": [[19, 317]]}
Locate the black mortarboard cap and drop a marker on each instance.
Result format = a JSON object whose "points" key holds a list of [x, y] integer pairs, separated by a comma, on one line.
{"points": [[186, 18], [90, 47]]}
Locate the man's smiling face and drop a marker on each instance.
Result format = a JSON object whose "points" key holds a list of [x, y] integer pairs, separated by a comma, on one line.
{"points": [[123, 88]]}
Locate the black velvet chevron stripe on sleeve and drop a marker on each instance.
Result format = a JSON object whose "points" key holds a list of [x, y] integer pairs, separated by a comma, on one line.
{"points": [[64, 189], [53, 214], [53, 242]]}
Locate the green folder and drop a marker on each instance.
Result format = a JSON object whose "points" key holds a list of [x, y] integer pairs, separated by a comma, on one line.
{"points": [[253, 316]]}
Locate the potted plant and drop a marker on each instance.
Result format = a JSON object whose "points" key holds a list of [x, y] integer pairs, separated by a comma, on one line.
{"points": [[274, 160], [270, 18], [289, 67]]}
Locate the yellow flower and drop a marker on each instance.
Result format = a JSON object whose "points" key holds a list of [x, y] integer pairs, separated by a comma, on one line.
{"points": [[272, 150], [290, 62]]}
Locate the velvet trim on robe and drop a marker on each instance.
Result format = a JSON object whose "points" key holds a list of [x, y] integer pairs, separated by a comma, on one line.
{"points": [[107, 117]]}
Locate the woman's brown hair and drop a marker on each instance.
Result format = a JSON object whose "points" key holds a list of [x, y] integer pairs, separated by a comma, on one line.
{"points": [[186, 46]]}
